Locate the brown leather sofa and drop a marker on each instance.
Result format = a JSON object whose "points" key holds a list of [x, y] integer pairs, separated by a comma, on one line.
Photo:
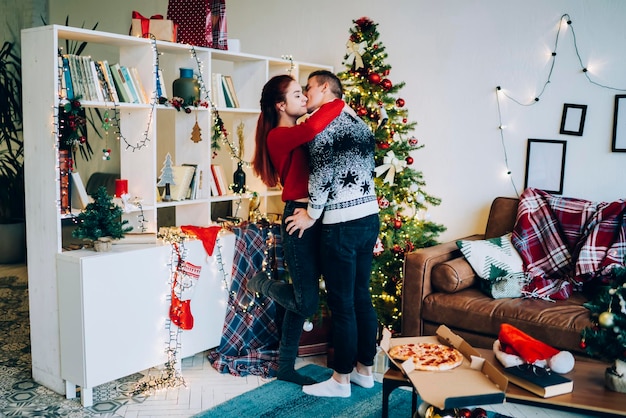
{"points": [[440, 287]]}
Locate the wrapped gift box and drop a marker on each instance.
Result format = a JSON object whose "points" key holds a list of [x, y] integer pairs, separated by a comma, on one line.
{"points": [[161, 29]]}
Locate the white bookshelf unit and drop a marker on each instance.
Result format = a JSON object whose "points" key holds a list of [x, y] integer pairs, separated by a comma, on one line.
{"points": [[83, 303]]}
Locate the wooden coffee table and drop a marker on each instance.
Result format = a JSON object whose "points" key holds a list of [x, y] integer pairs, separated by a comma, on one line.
{"points": [[589, 392]]}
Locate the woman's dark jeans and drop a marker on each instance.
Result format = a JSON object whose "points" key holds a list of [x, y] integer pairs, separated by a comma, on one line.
{"points": [[301, 298], [346, 251]]}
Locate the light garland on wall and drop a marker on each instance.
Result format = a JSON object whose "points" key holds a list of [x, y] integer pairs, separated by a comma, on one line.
{"points": [[565, 18]]}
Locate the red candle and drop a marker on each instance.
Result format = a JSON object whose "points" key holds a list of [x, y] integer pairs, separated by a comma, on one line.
{"points": [[121, 187]]}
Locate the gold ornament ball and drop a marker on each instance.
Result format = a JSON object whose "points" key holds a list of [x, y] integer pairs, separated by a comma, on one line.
{"points": [[606, 319]]}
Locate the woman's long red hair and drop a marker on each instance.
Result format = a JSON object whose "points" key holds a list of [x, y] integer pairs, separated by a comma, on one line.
{"points": [[274, 92]]}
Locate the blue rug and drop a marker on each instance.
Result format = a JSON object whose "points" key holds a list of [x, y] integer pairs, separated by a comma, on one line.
{"points": [[286, 400]]}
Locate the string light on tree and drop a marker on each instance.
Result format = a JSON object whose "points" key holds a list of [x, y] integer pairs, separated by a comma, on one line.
{"points": [[371, 92]]}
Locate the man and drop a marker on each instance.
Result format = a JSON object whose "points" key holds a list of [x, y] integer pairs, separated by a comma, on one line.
{"points": [[341, 192]]}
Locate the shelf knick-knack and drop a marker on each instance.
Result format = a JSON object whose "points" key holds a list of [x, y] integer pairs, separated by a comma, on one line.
{"points": [[239, 176], [239, 179], [186, 87]]}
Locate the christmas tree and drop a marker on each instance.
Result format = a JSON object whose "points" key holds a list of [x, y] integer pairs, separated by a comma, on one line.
{"points": [[402, 199], [101, 218], [607, 338]]}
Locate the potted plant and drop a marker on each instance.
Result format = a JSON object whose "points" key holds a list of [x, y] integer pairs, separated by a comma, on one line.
{"points": [[101, 221], [12, 208]]}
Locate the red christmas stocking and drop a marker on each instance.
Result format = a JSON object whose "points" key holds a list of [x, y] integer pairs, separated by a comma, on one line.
{"points": [[183, 287]]}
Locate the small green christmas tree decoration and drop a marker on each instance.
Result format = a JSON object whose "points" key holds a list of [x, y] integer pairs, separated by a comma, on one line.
{"points": [[402, 199], [101, 218], [607, 338], [167, 177]]}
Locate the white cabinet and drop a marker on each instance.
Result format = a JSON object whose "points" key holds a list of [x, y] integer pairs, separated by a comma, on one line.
{"points": [[114, 309], [104, 297]]}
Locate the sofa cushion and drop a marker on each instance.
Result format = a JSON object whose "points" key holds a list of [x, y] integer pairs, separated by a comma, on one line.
{"points": [[453, 275], [496, 262], [557, 323]]}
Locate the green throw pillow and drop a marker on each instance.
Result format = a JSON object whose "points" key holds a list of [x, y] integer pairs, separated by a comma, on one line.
{"points": [[498, 263]]}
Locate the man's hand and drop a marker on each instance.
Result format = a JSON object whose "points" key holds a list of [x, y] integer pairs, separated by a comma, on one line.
{"points": [[300, 220]]}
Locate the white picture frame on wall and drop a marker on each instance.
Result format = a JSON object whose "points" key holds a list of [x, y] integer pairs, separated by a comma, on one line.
{"points": [[545, 165]]}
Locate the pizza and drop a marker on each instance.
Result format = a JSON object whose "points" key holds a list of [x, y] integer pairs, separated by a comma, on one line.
{"points": [[428, 356]]}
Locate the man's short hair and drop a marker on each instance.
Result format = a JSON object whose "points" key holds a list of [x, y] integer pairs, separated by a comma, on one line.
{"points": [[325, 76]]}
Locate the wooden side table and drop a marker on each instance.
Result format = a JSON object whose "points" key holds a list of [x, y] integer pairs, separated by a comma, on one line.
{"points": [[393, 379]]}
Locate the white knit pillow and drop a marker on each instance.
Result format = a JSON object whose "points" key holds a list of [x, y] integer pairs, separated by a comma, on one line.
{"points": [[496, 261]]}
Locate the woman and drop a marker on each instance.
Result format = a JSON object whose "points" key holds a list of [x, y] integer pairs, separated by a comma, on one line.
{"points": [[280, 158]]}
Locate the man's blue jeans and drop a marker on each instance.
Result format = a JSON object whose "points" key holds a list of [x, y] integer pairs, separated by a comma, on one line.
{"points": [[346, 257]]}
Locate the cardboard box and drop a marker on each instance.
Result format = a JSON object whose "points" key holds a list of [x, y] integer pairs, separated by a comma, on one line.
{"points": [[475, 382]]}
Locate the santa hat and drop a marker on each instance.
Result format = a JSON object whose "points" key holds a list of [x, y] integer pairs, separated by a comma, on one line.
{"points": [[513, 347]]}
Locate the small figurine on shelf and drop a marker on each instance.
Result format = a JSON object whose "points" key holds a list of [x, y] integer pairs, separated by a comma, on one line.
{"points": [[239, 176], [101, 221], [167, 178]]}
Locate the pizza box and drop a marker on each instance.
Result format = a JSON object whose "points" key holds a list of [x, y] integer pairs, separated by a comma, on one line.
{"points": [[475, 382]]}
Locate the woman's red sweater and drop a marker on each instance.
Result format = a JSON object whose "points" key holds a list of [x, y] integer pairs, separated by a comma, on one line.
{"points": [[290, 157]]}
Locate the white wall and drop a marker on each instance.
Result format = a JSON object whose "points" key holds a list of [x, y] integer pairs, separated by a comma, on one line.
{"points": [[452, 54]]}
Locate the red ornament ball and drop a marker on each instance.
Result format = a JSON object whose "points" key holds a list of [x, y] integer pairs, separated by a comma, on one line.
{"points": [[374, 78], [404, 120], [362, 111], [400, 102], [583, 344], [375, 46], [383, 202], [479, 413], [464, 413], [383, 145], [397, 223], [409, 160], [386, 72], [413, 141], [386, 83]]}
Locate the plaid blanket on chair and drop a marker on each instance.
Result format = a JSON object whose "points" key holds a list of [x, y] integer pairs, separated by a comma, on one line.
{"points": [[565, 242], [250, 336]]}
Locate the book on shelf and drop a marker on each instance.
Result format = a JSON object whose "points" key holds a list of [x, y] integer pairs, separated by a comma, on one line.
{"points": [[65, 164], [108, 77], [217, 90], [192, 193], [130, 83], [141, 91], [68, 90], [80, 198], [220, 179], [227, 97], [230, 88], [120, 84], [213, 184], [160, 84], [95, 81], [538, 381], [182, 180]]}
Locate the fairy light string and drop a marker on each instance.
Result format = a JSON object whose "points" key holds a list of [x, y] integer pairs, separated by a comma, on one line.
{"points": [[500, 92]]}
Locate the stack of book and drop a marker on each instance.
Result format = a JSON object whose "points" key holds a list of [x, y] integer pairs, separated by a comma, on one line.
{"points": [[219, 186], [187, 182], [223, 91], [98, 81]]}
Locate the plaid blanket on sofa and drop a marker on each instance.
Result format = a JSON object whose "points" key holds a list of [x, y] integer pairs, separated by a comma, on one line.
{"points": [[250, 337], [565, 242]]}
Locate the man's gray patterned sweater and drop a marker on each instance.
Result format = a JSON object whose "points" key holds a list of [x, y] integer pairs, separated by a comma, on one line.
{"points": [[341, 182]]}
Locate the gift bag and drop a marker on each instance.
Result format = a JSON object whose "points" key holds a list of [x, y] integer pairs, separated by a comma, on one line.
{"points": [[200, 22], [161, 29]]}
